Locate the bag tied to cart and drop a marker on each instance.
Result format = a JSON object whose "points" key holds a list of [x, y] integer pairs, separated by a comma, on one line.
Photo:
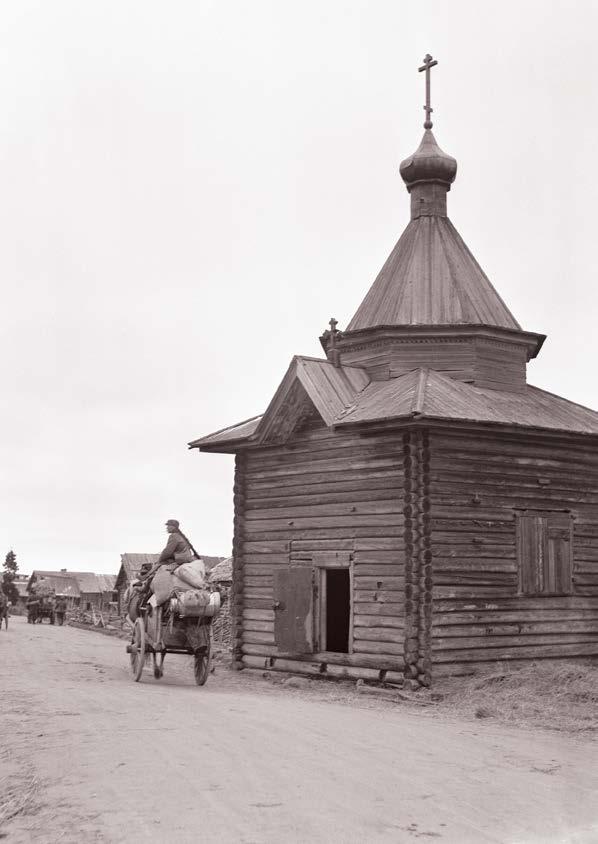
{"points": [[187, 590]]}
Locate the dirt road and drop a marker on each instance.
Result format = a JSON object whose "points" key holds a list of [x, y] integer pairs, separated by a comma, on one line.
{"points": [[95, 757]]}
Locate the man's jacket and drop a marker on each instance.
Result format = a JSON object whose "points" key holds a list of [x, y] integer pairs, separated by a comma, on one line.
{"points": [[175, 545]]}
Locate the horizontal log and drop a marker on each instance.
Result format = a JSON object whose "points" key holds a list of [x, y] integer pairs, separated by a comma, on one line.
{"points": [[378, 543], [499, 616], [337, 448], [314, 495], [360, 463], [254, 637], [357, 531], [260, 626], [471, 581], [449, 529], [500, 628], [258, 615], [314, 669], [379, 634], [353, 509], [250, 559], [377, 621], [484, 667], [259, 650], [533, 652], [376, 661], [323, 558], [519, 603], [262, 582], [323, 545], [484, 554], [382, 582], [380, 596], [326, 483], [387, 649], [377, 556], [257, 592], [279, 547], [319, 522], [379, 570], [262, 570], [466, 592], [374, 608], [509, 641], [250, 603]]}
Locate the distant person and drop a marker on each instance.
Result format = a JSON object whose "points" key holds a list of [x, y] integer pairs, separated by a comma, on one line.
{"points": [[3, 610], [60, 609]]}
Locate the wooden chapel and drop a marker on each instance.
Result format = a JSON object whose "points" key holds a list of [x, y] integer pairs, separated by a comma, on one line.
{"points": [[408, 506]]}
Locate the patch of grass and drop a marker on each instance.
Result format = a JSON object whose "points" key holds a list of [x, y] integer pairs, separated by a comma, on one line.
{"points": [[557, 696], [18, 796]]}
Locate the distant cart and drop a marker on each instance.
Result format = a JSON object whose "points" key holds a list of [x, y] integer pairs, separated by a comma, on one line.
{"points": [[40, 607], [182, 625]]}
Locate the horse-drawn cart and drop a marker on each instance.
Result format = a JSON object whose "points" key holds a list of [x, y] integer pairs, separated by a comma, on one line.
{"points": [[179, 625], [40, 607]]}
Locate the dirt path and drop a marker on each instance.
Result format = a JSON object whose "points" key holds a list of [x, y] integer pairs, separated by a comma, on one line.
{"points": [[100, 759]]}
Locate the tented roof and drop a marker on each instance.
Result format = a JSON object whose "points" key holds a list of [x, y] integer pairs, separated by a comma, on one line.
{"points": [[431, 278]]}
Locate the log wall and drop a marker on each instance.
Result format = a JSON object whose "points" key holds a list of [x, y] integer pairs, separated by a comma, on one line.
{"points": [[325, 497], [476, 485]]}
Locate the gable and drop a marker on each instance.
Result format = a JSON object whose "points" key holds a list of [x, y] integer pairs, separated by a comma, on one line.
{"points": [[311, 387]]}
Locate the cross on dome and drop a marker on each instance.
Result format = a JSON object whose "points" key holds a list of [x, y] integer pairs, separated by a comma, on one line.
{"points": [[429, 63]]}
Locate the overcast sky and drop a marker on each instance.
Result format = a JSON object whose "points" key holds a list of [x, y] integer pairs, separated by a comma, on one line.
{"points": [[190, 190]]}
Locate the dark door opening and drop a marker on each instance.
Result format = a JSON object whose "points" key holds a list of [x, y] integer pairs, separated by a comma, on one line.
{"points": [[338, 610]]}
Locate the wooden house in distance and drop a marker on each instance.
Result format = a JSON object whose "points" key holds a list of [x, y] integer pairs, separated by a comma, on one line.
{"points": [[409, 506]]}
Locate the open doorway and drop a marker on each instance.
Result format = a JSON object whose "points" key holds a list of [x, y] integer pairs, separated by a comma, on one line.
{"points": [[337, 606]]}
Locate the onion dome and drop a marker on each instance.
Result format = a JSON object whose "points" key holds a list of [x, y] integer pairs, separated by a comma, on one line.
{"points": [[428, 164]]}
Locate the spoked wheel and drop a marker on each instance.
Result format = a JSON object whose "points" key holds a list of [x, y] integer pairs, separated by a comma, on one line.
{"points": [[158, 670], [138, 649], [202, 662]]}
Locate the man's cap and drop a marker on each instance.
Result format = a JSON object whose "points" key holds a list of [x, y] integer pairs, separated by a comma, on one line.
{"points": [[172, 523]]}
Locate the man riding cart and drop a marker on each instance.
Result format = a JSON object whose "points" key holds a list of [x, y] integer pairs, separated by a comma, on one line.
{"points": [[171, 608]]}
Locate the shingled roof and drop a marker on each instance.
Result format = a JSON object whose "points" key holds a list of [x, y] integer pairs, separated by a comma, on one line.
{"points": [[421, 394], [431, 278], [427, 394]]}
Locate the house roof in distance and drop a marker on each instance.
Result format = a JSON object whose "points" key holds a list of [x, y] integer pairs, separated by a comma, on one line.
{"points": [[87, 582], [222, 571], [63, 584]]}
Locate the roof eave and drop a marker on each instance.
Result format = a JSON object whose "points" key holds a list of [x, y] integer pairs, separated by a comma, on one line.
{"points": [[421, 420], [530, 339]]}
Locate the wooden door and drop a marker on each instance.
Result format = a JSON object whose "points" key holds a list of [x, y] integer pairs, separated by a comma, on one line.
{"points": [[294, 609]]}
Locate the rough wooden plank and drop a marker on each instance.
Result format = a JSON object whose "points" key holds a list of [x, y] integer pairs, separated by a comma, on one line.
{"points": [[523, 652], [523, 627], [386, 649], [372, 608], [379, 634]]}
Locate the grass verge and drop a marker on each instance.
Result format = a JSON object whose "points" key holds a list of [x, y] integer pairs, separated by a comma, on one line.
{"points": [[556, 696]]}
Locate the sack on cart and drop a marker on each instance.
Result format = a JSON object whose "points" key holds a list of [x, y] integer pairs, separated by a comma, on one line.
{"points": [[196, 603]]}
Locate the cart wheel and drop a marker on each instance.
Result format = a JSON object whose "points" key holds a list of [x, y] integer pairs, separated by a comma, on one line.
{"points": [[202, 665], [138, 649]]}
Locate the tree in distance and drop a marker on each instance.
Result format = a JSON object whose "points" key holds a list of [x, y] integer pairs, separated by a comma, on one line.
{"points": [[8, 577]]}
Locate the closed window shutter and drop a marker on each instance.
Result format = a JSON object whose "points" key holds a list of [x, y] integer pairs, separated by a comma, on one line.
{"points": [[544, 553]]}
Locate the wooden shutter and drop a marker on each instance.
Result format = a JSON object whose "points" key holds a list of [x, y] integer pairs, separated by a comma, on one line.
{"points": [[544, 553], [294, 609]]}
